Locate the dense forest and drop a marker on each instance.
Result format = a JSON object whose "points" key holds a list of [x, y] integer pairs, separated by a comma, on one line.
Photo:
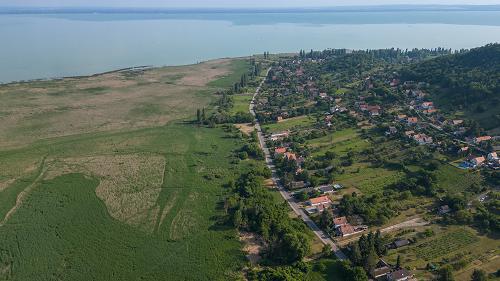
{"points": [[470, 80]]}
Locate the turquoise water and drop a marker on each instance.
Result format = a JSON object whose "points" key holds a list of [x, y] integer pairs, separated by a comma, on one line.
{"points": [[46, 46]]}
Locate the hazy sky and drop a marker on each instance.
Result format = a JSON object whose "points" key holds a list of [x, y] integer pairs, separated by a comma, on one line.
{"points": [[230, 3]]}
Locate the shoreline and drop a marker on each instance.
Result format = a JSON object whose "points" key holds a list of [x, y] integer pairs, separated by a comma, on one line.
{"points": [[131, 68]]}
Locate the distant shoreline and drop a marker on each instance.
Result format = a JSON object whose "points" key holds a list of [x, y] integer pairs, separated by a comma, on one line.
{"points": [[331, 9]]}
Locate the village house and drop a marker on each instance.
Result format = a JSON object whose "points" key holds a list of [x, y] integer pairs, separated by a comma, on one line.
{"points": [[346, 230], [412, 120], [422, 139], [476, 161], [280, 150], [323, 95], [340, 221], [374, 112], [400, 275], [323, 200], [429, 111], [427, 105], [290, 156], [401, 117], [478, 140], [279, 136], [381, 270], [410, 133]]}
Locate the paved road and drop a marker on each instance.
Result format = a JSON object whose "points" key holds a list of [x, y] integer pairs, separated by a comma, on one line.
{"points": [[325, 239]]}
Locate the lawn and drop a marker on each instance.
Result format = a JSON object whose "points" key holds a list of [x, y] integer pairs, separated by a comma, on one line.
{"points": [[291, 123]]}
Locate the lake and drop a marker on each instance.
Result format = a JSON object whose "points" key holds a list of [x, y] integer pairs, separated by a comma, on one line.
{"points": [[37, 46]]}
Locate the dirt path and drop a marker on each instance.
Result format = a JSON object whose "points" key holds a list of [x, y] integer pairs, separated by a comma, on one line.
{"points": [[22, 196], [415, 222]]}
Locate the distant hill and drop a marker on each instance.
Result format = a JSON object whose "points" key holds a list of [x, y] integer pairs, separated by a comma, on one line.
{"points": [[468, 81]]}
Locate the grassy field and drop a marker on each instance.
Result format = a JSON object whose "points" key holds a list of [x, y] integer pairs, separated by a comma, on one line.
{"points": [[110, 102], [291, 123], [454, 180], [339, 142], [241, 103], [137, 200]]}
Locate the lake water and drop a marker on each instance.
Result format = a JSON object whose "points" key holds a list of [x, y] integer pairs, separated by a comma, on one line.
{"points": [[46, 46]]}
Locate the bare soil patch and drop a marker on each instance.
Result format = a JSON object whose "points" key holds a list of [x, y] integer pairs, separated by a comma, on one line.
{"points": [[253, 244], [246, 128]]}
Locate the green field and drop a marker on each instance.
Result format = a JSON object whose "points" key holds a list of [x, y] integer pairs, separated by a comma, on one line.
{"points": [[120, 203], [455, 180], [241, 103], [291, 123]]}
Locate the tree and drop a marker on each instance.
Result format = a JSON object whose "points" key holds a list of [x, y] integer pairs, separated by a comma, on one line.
{"points": [[237, 218], [479, 275], [445, 274], [358, 274], [371, 260], [398, 262], [356, 255], [198, 115]]}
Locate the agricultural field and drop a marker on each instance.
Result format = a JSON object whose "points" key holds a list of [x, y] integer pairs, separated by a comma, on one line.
{"points": [[462, 247], [135, 200]]}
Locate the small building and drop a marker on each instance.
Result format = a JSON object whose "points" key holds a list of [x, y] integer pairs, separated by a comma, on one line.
{"points": [[401, 243], [400, 275], [391, 131], [492, 157], [380, 272], [478, 140], [319, 201], [444, 210], [456, 122], [279, 136], [326, 189], [323, 95], [297, 185]]}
